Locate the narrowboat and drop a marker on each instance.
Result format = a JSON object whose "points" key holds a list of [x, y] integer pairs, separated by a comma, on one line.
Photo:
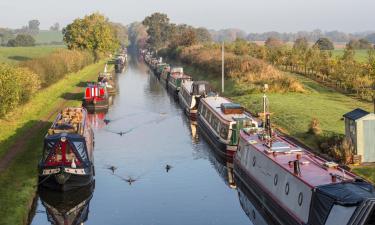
{"points": [[176, 79], [298, 187], [67, 161], [68, 208], [159, 68], [190, 94], [164, 76], [96, 97], [220, 121], [120, 62], [107, 80]]}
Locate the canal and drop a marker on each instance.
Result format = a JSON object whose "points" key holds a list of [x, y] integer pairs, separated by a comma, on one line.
{"points": [[152, 167]]}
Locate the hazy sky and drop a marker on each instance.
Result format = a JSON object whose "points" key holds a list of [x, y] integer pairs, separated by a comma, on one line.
{"points": [[249, 15]]}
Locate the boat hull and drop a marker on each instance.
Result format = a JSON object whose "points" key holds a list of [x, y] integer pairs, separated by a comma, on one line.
{"points": [[271, 205], [220, 148], [66, 181], [99, 105]]}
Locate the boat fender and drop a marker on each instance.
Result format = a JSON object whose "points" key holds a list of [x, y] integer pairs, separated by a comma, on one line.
{"points": [[74, 164]]}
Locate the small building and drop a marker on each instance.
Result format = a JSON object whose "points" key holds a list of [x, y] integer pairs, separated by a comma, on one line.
{"points": [[360, 128]]}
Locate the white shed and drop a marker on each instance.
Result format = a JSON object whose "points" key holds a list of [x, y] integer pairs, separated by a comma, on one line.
{"points": [[360, 128]]}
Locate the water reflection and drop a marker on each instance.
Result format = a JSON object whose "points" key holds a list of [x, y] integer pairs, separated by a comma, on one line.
{"points": [[68, 208]]}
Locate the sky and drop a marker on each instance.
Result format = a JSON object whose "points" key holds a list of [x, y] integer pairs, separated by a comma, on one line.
{"points": [[248, 15]]}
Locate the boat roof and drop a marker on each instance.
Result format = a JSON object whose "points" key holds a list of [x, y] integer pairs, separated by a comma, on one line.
{"points": [[187, 85], [356, 114], [315, 171], [215, 102], [69, 120], [180, 76]]}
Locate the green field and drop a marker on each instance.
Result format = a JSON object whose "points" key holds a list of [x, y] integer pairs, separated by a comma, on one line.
{"points": [[18, 182], [360, 55], [19, 54], [46, 37]]}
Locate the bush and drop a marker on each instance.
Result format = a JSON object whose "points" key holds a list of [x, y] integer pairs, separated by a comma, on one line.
{"points": [[21, 40], [314, 127], [17, 85], [55, 66]]}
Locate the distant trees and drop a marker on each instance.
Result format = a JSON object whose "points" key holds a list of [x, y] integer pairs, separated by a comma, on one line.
{"points": [[359, 44], [93, 33], [5, 36], [301, 43], [158, 29], [138, 36], [55, 27], [34, 26], [273, 42], [21, 40], [121, 34], [324, 44]]}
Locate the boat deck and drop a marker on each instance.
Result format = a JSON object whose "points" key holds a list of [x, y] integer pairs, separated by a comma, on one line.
{"points": [[215, 104], [314, 170]]}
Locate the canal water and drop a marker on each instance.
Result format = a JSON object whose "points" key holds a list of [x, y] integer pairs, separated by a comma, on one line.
{"points": [[152, 167]]}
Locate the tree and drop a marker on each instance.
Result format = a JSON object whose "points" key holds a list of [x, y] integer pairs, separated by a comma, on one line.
{"points": [[121, 34], [301, 44], [273, 42], [364, 44], [353, 44], [21, 40], [137, 35], [55, 27], [158, 29], [34, 26], [324, 44], [93, 33], [203, 35]]}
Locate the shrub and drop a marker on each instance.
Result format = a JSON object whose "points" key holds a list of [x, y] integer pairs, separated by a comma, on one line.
{"points": [[314, 127], [55, 66], [21, 40], [17, 85]]}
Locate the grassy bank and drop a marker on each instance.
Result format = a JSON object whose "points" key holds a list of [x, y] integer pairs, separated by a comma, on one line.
{"points": [[18, 182], [19, 54]]}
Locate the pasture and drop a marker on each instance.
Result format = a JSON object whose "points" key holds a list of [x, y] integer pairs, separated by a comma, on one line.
{"points": [[19, 54]]}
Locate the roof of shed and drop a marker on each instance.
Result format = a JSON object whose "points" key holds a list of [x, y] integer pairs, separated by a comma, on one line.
{"points": [[356, 114]]}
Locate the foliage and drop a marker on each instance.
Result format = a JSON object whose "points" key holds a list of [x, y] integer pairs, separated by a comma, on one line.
{"points": [[55, 27], [273, 42], [5, 36], [34, 26], [137, 35], [17, 85], [93, 33], [55, 66], [22, 40], [158, 29], [314, 127], [324, 44], [301, 44], [121, 34], [359, 44]]}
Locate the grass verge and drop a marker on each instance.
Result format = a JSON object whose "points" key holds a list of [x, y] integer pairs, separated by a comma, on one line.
{"points": [[18, 181]]}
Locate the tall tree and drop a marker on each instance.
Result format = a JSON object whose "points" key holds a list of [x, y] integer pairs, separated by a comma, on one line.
{"points": [[55, 27], [324, 44], [34, 26], [137, 35], [93, 33], [158, 28]]}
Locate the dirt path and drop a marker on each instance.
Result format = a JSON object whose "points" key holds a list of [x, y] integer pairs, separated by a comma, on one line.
{"points": [[20, 143]]}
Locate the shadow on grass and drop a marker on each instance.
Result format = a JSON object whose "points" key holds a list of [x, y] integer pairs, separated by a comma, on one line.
{"points": [[82, 84], [19, 58], [72, 96], [18, 180]]}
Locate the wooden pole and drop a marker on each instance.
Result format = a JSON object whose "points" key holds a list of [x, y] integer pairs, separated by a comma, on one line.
{"points": [[222, 68]]}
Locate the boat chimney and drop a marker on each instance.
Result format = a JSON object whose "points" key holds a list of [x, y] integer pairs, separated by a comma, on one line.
{"points": [[297, 169]]}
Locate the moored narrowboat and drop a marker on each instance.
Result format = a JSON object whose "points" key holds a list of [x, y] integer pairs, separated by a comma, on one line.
{"points": [[164, 76], [297, 187], [67, 161], [95, 97], [108, 80], [190, 94], [221, 120], [159, 68], [176, 79]]}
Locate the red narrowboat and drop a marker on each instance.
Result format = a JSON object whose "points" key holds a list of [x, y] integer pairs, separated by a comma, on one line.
{"points": [[96, 97]]}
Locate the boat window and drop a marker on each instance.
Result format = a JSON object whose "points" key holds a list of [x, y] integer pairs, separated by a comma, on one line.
{"points": [[371, 219], [224, 131], [201, 88], [287, 188], [275, 179], [254, 160], [47, 148], [214, 123], [81, 149], [300, 199]]}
